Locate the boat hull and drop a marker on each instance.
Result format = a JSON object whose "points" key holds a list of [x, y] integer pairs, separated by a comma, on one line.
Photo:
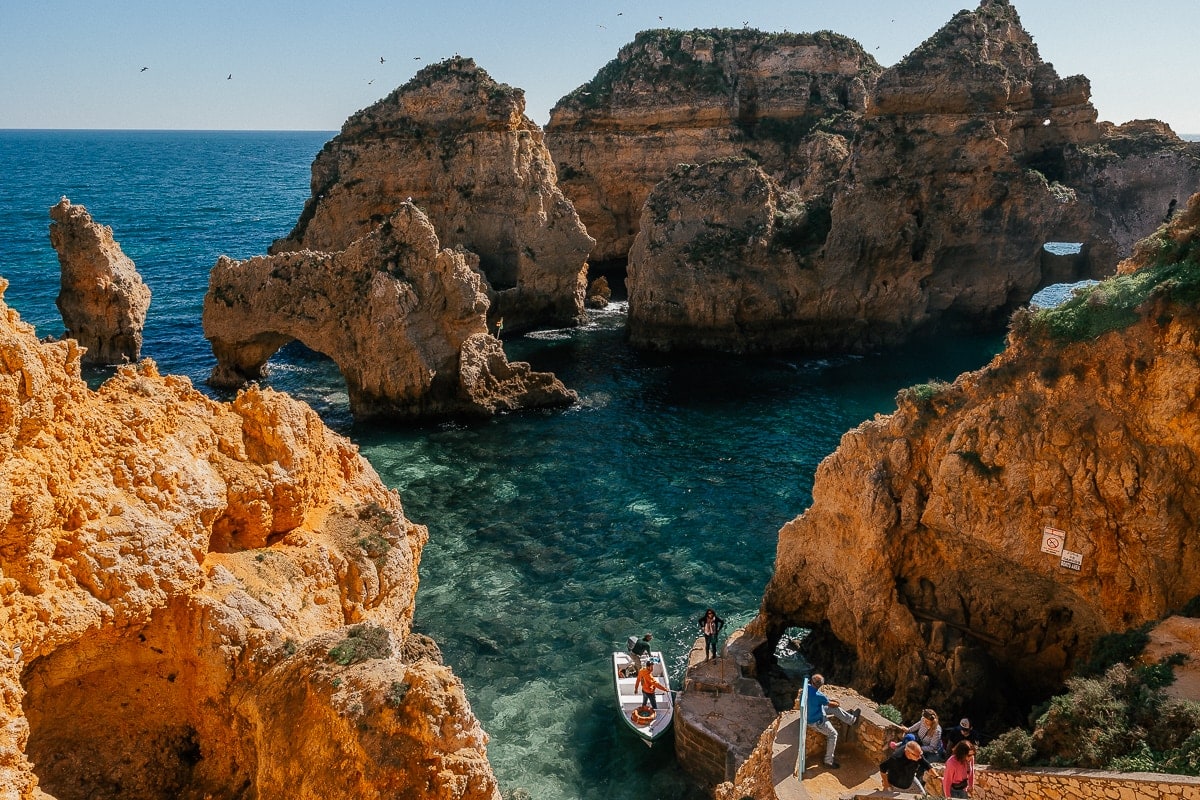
{"points": [[649, 728]]}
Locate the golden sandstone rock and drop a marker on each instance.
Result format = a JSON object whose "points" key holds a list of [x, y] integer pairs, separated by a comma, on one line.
{"points": [[201, 599], [922, 566], [458, 145], [404, 320], [103, 301]]}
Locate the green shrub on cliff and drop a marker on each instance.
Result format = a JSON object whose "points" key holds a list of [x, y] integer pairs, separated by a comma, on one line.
{"points": [[1173, 274], [1121, 721]]}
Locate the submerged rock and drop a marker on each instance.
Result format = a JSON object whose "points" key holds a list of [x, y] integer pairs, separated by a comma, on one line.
{"points": [[967, 550], [404, 320], [458, 145], [103, 300], [205, 599]]}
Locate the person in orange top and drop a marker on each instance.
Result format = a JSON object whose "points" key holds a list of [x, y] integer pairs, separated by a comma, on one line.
{"points": [[646, 682]]}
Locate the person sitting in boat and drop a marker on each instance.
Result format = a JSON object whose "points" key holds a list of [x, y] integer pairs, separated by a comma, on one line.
{"points": [[639, 650], [647, 683]]}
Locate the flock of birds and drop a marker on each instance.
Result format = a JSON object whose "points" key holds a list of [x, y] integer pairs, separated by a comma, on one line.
{"points": [[382, 60]]}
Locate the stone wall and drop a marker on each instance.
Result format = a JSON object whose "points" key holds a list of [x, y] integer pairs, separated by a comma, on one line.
{"points": [[1078, 784]]}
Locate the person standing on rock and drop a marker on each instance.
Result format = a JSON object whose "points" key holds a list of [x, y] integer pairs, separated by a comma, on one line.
{"points": [[818, 717], [710, 626]]}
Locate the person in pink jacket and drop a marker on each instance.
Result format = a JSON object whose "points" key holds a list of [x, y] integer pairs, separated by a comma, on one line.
{"points": [[959, 778]]}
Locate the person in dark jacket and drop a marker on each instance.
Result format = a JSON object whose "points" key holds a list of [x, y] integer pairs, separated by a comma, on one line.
{"points": [[640, 650], [710, 625], [903, 768]]}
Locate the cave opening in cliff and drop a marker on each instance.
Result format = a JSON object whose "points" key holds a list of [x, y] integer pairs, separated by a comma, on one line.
{"points": [[614, 271], [128, 715]]}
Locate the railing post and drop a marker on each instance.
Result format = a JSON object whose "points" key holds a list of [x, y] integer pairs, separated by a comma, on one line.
{"points": [[802, 736]]}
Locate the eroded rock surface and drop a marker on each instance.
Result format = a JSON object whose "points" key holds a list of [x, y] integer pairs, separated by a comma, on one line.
{"points": [[717, 266], [458, 145], [203, 600], [920, 564], [685, 97], [103, 300], [404, 320], [926, 205]]}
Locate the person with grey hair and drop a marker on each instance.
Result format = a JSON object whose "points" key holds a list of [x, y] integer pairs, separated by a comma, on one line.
{"points": [[902, 769], [819, 719]]}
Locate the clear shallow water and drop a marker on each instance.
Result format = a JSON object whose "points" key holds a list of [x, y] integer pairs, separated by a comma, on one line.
{"points": [[553, 535]]}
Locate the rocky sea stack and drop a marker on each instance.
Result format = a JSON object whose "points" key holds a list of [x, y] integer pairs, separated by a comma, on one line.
{"points": [[922, 566], [207, 600], [684, 97], [458, 145], [923, 194], [103, 300]]}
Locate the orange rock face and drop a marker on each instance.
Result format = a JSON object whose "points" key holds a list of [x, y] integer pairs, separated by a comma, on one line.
{"points": [[686, 97], [169, 562], [459, 146], [103, 301], [921, 565], [404, 320]]}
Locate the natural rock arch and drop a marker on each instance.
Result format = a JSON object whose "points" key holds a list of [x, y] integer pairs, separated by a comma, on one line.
{"points": [[404, 320]]}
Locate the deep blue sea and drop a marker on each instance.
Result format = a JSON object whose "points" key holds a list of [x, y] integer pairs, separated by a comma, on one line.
{"points": [[553, 535]]}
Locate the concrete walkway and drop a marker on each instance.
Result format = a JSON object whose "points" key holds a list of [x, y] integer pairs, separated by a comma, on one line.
{"points": [[858, 775]]}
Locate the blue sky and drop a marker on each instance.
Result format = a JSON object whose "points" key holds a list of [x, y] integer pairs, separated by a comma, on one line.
{"points": [[308, 65]]}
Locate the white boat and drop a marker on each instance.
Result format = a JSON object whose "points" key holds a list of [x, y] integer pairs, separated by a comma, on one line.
{"points": [[648, 724]]}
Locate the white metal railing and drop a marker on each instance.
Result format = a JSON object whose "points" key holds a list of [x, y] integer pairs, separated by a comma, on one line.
{"points": [[802, 735]]}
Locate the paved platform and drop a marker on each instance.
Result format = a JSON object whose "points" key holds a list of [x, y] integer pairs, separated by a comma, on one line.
{"points": [[858, 775]]}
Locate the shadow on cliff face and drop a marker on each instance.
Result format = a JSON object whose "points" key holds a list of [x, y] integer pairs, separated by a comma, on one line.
{"points": [[124, 715]]}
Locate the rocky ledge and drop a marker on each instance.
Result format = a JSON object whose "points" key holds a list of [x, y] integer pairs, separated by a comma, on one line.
{"points": [[201, 599], [458, 145], [968, 549], [404, 320]]}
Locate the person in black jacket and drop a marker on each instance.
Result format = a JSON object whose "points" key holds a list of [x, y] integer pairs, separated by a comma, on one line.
{"points": [[710, 626], [902, 770]]}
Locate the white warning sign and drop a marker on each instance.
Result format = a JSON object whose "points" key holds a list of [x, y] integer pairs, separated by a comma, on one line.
{"points": [[1053, 540], [1071, 560]]}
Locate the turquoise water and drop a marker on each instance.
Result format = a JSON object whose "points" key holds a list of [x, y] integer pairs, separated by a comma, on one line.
{"points": [[553, 535]]}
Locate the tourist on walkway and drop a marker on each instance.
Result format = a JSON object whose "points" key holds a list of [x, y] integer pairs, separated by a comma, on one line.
{"points": [[962, 732], [959, 778], [710, 626], [646, 682], [818, 717], [928, 733], [902, 769]]}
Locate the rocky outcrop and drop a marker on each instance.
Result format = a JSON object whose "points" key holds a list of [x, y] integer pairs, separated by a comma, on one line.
{"points": [[103, 301], [922, 564], [1134, 178], [207, 600], [459, 146], [927, 213], [718, 265], [684, 97], [936, 221], [405, 321]]}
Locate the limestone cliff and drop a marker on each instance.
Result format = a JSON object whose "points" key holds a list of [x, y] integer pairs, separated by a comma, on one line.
{"points": [[927, 213], [458, 145], [204, 600], [716, 264], [404, 320], [103, 300], [683, 97], [921, 564]]}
